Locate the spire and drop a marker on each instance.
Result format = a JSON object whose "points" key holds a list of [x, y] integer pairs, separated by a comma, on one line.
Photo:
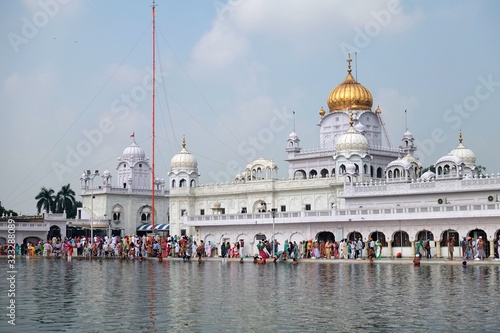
{"points": [[183, 141], [460, 139], [351, 121], [349, 63]]}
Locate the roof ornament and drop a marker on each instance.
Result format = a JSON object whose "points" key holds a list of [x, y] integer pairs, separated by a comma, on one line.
{"points": [[349, 63], [351, 121], [183, 141], [460, 139]]}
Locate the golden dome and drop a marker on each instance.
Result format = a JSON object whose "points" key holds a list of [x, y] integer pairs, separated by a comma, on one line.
{"points": [[350, 94]]}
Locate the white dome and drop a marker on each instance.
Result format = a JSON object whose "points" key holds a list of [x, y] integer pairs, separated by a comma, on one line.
{"points": [[428, 175], [352, 141], [465, 154], [293, 136], [350, 169], [133, 152], [184, 159], [450, 158], [408, 135], [400, 162], [411, 159], [359, 127], [262, 163]]}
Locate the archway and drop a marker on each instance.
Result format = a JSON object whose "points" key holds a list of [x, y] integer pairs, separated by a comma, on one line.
{"points": [[355, 235], [378, 235], [210, 239], [325, 236], [401, 239], [258, 238], [32, 239], [425, 235], [446, 235], [475, 234], [246, 243], [54, 231]]}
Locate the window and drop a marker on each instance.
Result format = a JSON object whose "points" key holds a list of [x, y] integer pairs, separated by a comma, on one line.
{"points": [[183, 211], [308, 206], [243, 210], [283, 208], [202, 212], [140, 165]]}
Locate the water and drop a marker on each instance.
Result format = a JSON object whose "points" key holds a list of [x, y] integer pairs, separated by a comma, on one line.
{"points": [[99, 296]]}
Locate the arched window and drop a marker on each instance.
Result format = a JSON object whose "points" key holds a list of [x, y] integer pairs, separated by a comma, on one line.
{"points": [[182, 183], [379, 172], [173, 183], [324, 173], [313, 174], [192, 183]]}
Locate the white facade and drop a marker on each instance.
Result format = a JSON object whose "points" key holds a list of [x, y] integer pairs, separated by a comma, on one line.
{"points": [[353, 185], [126, 205]]}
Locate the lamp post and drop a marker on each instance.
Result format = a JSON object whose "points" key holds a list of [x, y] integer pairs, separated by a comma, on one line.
{"points": [[273, 213], [91, 176]]}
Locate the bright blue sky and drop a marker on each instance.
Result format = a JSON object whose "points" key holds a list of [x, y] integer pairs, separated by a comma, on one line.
{"points": [[229, 68]]}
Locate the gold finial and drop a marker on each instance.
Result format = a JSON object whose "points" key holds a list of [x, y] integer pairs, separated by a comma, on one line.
{"points": [[322, 112], [351, 121], [349, 63], [183, 141], [378, 111], [460, 139]]}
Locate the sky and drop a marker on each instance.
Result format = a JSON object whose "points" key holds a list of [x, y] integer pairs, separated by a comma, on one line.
{"points": [[75, 81]]}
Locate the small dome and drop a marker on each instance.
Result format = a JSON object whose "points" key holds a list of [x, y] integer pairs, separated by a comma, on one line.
{"points": [[351, 141], [359, 127], [411, 159], [184, 159], [133, 152], [465, 154], [350, 169], [322, 112], [350, 94], [293, 136], [450, 158], [408, 135], [262, 163], [401, 162], [428, 175], [106, 173]]}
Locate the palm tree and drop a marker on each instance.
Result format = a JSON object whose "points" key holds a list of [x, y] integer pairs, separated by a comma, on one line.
{"points": [[46, 200], [65, 199]]}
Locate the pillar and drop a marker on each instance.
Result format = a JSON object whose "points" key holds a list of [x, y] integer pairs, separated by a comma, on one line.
{"points": [[492, 248], [438, 249], [389, 248], [412, 253]]}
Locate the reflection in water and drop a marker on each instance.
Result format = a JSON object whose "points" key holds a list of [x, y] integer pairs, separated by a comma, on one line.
{"points": [[173, 296]]}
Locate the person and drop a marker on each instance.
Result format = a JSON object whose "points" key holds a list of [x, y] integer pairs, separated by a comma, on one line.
{"points": [[416, 260], [451, 247], [242, 248], [427, 248], [199, 250], [378, 251], [371, 253], [498, 247], [480, 248], [223, 250], [359, 248]]}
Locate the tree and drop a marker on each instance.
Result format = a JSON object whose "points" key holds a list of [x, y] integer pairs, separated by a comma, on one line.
{"points": [[65, 199], [5, 211], [431, 168], [479, 170], [46, 200]]}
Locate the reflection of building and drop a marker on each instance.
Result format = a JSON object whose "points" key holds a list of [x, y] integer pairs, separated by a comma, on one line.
{"points": [[126, 206], [33, 228], [353, 185]]}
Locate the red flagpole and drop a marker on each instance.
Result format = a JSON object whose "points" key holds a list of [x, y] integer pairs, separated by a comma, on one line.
{"points": [[153, 125]]}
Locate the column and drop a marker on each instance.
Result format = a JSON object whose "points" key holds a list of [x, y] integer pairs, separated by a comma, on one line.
{"points": [[412, 253], [492, 248], [389, 248], [438, 249]]}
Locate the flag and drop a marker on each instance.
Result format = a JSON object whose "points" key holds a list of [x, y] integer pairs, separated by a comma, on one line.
{"points": [[132, 135]]}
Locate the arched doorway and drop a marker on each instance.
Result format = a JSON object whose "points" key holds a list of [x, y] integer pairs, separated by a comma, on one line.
{"points": [[354, 236], [378, 235], [325, 236], [475, 234], [54, 231], [425, 235]]}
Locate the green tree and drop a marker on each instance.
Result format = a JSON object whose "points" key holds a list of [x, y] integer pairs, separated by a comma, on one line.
{"points": [[65, 200], [8, 212], [429, 168], [46, 200], [479, 170]]}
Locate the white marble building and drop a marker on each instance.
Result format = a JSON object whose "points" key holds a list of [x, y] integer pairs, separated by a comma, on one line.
{"points": [[354, 185]]}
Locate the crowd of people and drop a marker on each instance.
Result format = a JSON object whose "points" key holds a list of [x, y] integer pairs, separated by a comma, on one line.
{"points": [[186, 247]]}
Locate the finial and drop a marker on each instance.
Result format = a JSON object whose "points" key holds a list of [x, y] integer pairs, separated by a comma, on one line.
{"points": [[349, 63], [460, 139], [351, 121], [183, 141]]}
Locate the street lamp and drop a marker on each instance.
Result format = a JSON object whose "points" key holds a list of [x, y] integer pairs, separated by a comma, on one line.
{"points": [[273, 213], [91, 176]]}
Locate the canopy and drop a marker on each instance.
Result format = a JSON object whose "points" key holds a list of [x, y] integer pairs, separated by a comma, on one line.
{"points": [[158, 227]]}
